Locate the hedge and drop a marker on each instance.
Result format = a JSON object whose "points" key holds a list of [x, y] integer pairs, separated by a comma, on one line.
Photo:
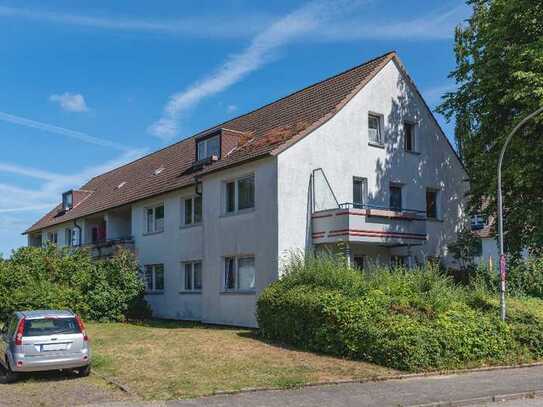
{"points": [[412, 320], [51, 278]]}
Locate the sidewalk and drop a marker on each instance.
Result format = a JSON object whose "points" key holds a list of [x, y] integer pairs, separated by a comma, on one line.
{"points": [[475, 388]]}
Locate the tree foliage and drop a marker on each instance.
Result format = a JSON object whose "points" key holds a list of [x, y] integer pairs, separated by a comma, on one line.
{"points": [[499, 73]]}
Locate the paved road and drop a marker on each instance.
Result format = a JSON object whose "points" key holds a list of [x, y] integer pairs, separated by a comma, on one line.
{"points": [[406, 392], [515, 403]]}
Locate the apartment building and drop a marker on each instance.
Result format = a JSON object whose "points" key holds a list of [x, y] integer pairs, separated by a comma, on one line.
{"points": [[356, 159]]}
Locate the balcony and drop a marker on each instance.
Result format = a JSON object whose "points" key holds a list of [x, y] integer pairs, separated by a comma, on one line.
{"points": [[108, 248], [369, 224]]}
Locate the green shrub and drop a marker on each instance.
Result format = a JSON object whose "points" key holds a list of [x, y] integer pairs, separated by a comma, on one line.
{"points": [[48, 278], [411, 320]]}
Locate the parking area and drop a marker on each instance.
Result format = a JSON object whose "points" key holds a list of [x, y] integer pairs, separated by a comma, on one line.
{"points": [[56, 389]]}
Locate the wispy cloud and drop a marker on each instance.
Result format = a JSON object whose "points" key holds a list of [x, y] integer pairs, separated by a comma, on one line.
{"points": [[261, 50], [436, 25], [17, 199], [235, 26], [71, 102], [73, 134]]}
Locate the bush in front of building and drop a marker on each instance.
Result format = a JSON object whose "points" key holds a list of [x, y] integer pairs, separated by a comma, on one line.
{"points": [[411, 320], [49, 278]]}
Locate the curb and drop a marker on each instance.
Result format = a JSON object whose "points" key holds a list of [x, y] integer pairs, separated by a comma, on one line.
{"points": [[485, 399], [386, 378]]}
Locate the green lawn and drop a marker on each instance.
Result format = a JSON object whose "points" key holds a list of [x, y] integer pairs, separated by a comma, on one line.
{"points": [[168, 360]]}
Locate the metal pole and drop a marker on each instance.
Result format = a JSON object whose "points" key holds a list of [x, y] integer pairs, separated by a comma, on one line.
{"points": [[503, 275]]}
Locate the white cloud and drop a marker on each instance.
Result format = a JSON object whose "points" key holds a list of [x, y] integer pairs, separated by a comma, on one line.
{"points": [[77, 135], [223, 26], [71, 102], [231, 108], [260, 51]]}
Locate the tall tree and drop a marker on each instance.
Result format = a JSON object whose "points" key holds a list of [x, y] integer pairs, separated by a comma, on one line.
{"points": [[499, 73]]}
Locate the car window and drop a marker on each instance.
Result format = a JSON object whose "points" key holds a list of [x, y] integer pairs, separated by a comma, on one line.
{"points": [[51, 326], [11, 324]]}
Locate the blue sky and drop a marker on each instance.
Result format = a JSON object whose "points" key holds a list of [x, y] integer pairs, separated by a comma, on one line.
{"points": [[90, 85]]}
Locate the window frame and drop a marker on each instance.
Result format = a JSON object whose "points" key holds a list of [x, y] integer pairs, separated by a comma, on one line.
{"points": [[52, 237], [192, 272], [204, 142], [236, 191], [153, 208], [68, 237], [436, 193], [363, 181], [390, 188], [68, 204], [152, 268], [412, 125], [380, 142], [236, 261], [193, 221]]}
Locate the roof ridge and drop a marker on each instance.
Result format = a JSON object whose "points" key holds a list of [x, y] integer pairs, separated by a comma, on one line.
{"points": [[218, 126]]}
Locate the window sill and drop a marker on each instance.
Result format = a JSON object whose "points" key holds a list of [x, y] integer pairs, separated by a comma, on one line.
{"points": [[191, 225], [412, 152], [241, 212], [195, 292], [239, 292], [153, 233], [158, 292], [374, 144]]}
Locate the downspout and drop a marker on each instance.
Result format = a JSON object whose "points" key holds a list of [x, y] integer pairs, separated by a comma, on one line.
{"points": [[79, 232]]}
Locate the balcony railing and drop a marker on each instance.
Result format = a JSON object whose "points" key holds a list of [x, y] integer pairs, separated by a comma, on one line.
{"points": [[369, 224], [108, 248]]}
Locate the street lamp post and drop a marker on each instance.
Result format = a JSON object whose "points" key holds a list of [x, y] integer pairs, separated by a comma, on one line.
{"points": [[500, 210]]}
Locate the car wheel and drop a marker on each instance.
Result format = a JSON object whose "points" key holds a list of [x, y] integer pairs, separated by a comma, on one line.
{"points": [[84, 371], [7, 376]]}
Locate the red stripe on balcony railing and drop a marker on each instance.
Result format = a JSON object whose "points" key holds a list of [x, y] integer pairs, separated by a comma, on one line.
{"points": [[376, 233]]}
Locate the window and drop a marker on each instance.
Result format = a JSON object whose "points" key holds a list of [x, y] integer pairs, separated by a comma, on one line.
{"points": [[395, 198], [154, 219], [67, 200], [239, 273], [409, 136], [431, 203], [478, 222], [68, 237], [359, 262], [192, 276], [360, 192], [374, 129], [209, 147], [192, 210], [240, 194], [153, 277], [52, 237]]}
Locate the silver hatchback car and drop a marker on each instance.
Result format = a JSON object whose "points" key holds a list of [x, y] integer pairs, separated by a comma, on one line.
{"points": [[34, 341]]}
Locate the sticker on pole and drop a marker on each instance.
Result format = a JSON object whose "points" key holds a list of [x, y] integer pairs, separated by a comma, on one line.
{"points": [[502, 267]]}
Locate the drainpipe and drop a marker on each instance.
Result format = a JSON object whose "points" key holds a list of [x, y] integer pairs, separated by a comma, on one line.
{"points": [[79, 232], [198, 187]]}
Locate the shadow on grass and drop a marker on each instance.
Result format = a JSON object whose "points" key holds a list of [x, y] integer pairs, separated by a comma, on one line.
{"points": [[45, 377]]}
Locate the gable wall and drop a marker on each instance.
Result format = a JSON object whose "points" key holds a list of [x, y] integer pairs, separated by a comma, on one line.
{"points": [[340, 147]]}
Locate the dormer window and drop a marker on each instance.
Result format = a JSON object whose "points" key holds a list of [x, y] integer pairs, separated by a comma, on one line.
{"points": [[67, 200], [208, 147]]}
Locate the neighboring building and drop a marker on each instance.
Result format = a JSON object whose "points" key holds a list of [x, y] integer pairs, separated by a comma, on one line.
{"points": [[357, 158]]}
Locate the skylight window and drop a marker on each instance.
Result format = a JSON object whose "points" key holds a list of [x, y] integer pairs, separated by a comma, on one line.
{"points": [[122, 184], [159, 170]]}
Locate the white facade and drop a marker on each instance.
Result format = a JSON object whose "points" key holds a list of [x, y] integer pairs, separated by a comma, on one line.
{"points": [[283, 217]]}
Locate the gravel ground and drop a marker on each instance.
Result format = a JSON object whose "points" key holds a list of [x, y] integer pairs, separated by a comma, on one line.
{"points": [[56, 389]]}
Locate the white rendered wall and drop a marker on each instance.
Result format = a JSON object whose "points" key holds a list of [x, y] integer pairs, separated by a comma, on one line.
{"points": [[340, 147]]}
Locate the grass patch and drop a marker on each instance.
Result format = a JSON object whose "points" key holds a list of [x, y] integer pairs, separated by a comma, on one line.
{"points": [[169, 360]]}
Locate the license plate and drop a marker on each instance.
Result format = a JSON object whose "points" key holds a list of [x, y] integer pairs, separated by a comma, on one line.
{"points": [[53, 347]]}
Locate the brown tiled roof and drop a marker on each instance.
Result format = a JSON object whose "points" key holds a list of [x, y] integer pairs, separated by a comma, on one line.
{"points": [[267, 130]]}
